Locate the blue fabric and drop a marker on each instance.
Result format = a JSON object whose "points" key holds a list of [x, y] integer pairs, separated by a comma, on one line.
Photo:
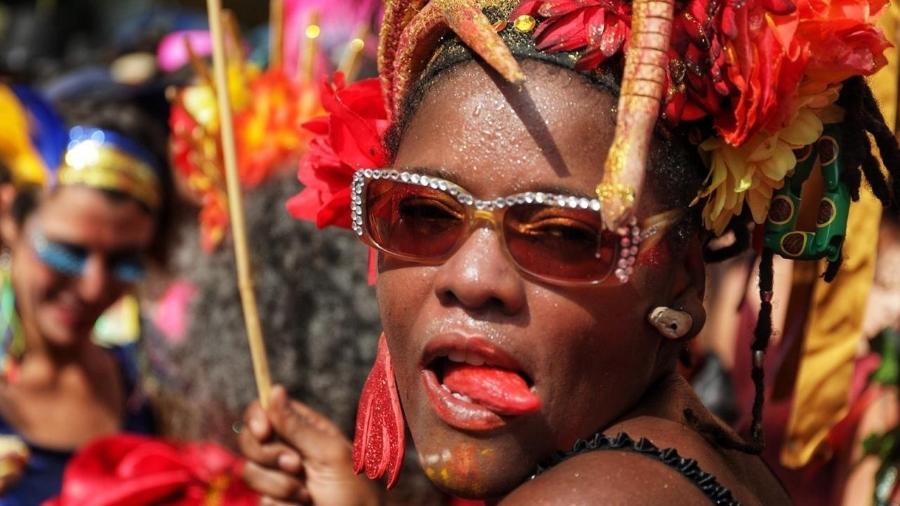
{"points": [[48, 131], [43, 475]]}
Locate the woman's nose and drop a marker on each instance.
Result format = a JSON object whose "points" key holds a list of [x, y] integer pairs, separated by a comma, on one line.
{"points": [[95, 282], [480, 276]]}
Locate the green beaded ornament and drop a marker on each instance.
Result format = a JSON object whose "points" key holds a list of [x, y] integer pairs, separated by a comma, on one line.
{"points": [[827, 241]]}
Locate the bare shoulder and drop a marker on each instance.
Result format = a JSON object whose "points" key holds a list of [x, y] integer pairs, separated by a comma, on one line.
{"points": [[610, 477], [747, 477]]}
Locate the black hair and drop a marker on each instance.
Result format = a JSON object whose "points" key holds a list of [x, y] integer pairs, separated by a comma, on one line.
{"points": [[675, 177], [26, 198], [320, 319], [864, 133]]}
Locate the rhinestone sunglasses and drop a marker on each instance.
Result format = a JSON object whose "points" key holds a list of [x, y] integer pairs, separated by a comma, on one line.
{"points": [[556, 238]]}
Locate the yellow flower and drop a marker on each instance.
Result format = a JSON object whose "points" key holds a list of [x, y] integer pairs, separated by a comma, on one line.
{"points": [[751, 172]]}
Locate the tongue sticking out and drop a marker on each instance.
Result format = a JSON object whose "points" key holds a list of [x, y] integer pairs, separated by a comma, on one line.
{"points": [[500, 390]]}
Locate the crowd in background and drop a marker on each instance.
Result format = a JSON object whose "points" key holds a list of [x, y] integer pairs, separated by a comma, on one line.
{"points": [[170, 357]]}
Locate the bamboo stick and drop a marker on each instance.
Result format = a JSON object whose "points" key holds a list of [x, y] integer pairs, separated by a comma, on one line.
{"points": [[276, 33], [197, 63], [310, 47], [236, 209], [353, 54]]}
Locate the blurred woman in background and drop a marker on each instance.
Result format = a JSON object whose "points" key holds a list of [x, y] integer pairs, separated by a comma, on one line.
{"points": [[73, 247]]}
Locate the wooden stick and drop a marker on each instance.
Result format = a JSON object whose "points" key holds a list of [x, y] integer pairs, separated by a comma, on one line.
{"points": [[199, 66], [353, 54], [310, 48], [234, 46], [276, 33], [236, 209]]}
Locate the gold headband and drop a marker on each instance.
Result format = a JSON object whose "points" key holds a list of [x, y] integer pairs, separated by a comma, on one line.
{"points": [[98, 165]]}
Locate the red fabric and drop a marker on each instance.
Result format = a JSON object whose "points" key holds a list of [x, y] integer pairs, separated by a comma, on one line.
{"points": [[129, 470]]}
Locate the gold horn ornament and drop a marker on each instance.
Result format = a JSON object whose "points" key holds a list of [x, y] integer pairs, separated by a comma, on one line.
{"points": [[413, 28], [643, 85]]}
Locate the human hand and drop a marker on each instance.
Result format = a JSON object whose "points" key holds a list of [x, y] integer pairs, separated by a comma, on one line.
{"points": [[13, 458], [296, 455]]}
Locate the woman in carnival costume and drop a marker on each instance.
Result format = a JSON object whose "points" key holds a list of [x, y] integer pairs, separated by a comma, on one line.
{"points": [[81, 214], [534, 303]]}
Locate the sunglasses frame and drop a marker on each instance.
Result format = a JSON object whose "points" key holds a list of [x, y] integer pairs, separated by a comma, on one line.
{"points": [[627, 248]]}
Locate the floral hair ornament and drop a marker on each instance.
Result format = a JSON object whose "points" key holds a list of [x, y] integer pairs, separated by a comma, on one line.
{"points": [[270, 107]]}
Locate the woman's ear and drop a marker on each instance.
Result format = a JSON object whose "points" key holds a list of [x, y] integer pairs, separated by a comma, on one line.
{"points": [[9, 225]]}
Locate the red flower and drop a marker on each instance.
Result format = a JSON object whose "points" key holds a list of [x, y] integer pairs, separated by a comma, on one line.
{"points": [[348, 139], [736, 61], [138, 470], [765, 70], [843, 40], [598, 27]]}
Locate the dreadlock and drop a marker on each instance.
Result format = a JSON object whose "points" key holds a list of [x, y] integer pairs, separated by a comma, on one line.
{"points": [[863, 118], [761, 336]]}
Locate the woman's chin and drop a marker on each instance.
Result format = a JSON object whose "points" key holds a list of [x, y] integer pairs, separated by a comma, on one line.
{"points": [[475, 467], [62, 334]]}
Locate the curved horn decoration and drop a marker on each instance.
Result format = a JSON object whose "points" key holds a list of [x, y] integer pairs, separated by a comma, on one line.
{"points": [[414, 27], [643, 85], [467, 20], [397, 15]]}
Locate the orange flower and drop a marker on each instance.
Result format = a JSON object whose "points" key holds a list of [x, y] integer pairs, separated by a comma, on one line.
{"points": [[269, 129], [765, 66], [843, 39]]}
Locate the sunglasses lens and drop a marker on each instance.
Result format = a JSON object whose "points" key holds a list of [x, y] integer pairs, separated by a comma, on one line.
{"points": [[560, 243], [413, 221]]}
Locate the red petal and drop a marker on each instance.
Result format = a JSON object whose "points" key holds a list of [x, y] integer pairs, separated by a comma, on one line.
{"points": [[528, 7], [557, 8], [590, 60], [305, 205], [728, 25], [596, 25], [612, 38], [565, 34], [318, 126], [674, 107], [779, 7], [335, 212]]}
